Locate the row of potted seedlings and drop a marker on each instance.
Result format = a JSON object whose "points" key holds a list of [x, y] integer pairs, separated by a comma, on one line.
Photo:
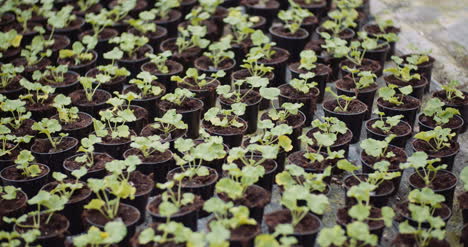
{"points": [[122, 121]]}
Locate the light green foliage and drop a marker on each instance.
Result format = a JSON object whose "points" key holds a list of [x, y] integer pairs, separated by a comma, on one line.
{"points": [[308, 60], [239, 24], [89, 87], [343, 101], [10, 142], [304, 84], [438, 138], [356, 233], [402, 71], [129, 43], [236, 92], [52, 74], [49, 127], [37, 93], [389, 94], [316, 203], [451, 91], [238, 180], [66, 115], [434, 108], [273, 135], [25, 162], [295, 175], [386, 123], [145, 82], [169, 122], [227, 215], [172, 197], [171, 232], [423, 166], [293, 17], [179, 96], [255, 68], [16, 239], [162, 8], [219, 51], [191, 37], [339, 20], [226, 118], [149, 145], [361, 79], [335, 46], [10, 39], [87, 148], [160, 60], [8, 73], [113, 233], [377, 149], [37, 50], [16, 108], [192, 78], [61, 19], [262, 46], [144, 24]]}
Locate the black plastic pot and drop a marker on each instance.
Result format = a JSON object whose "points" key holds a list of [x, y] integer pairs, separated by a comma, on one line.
{"points": [[141, 200], [268, 178], [207, 95], [81, 69], [319, 9], [230, 3], [38, 113], [379, 55], [251, 114], [165, 79], [269, 13], [115, 150], [231, 140], [335, 147], [458, 129], [279, 67], [141, 121], [353, 120], [186, 6], [365, 95], [448, 159], [66, 89], [224, 80], [293, 44], [98, 174], [13, 93], [425, 70], [448, 193], [29, 186], [12, 212], [134, 65], [70, 32], [171, 24], [399, 141], [91, 108], [309, 103], [205, 191], [56, 239], [149, 103], [188, 219], [334, 64], [378, 70], [111, 86], [426, 224], [463, 108], [409, 115], [321, 79], [375, 200], [186, 58], [54, 160], [191, 118], [418, 90], [79, 133]]}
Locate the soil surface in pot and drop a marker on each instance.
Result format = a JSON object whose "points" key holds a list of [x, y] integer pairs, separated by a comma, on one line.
{"points": [[279, 57], [374, 29], [406, 240], [297, 158], [7, 206], [135, 243], [100, 161], [282, 31], [189, 104], [250, 99], [348, 84], [320, 69], [155, 157], [105, 34], [14, 84], [57, 225], [292, 120], [414, 82], [115, 80], [443, 212], [197, 180], [70, 61], [138, 54], [455, 100], [340, 138], [12, 173], [290, 92], [143, 183], [128, 215], [197, 204], [399, 157], [271, 4], [375, 213], [421, 145], [400, 129], [453, 123], [78, 195], [68, 78], [172, 66], [136, 90], [308, 224], [408, 103], [194, 86], [255, 196], [228, 130], [443, 180], [384, 188], [79, 98], [44, 146], [148, 130], [366, 65], [205, 63], [83, 120], [354, 107]]}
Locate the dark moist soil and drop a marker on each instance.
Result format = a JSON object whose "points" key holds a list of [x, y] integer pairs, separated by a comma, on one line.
{"points": [[19, 28], [269, 165], [138, 54], [400, 157], [321, 69], [407, 240], [455, 101], [135, 243], [126, 213], [374, 29], [69, 78], [188, 105], [60, 42], [171, 65], [391, 79], [105, 34], [143, 183], [443, 180], [172, 15], [254, 197], [340, 138], [120, 140], [73, 25], [290, 92], [205, 63], [244, 232], [343, 218], [315, 45], [384, 188], [83, 120], [408, 103], [292, 120], [229, 130], [148, 130], [421, 145], [13, 85], [463, 200], [282, 31], [41, 65], [269, 5], [78, 195], [93, 9], [250, 99], [44, 146], [279, 57], [297, 158], [354, 107], [197, 181], [367, 65], [308, 224], [443, 212], [171, 45], [100, 161], [431, 60], [70, 61], [347, 33], [347, 84], [244, 73], [12, 173], [155, 157], [150, 35], [57, 225], [453, 123], [197, 204], [13, 153], [93, 72], [79, 98], [208, 87], [7, 206], [400, 129], [44, 106]]}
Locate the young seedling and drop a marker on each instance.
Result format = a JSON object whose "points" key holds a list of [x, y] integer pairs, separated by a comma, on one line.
{"points": [[322, 141], [451, 91], [372, 180], [219, 51], [10, 39], [273, 135], [236, 92], [113, 233], [339, 20], [426, 197], [226, 215], [37, 50], [438, 138], [386, 123], [361, 79], [144, 24], [10, 142], [129, 44], [169, 122], [308, 60], [316, 203], [239, 24], [390, 95], [8, 74], [149, 145], [287, 110], [98, 22], [60, 19], [89, 87], [87, 148], [193, 79], [294, 175], [330, 125], [417, 59], [342, 101], [255, 68], [25, 162], [262, 46], [179, 96], [51, 75], [435, 109], [171, 233], [173, 199], [191, 37], [293, 17], [37, 93], [226, 118], [66, 188], [50, 127], [302, 83], [159, 60], [145, 82], [402, 71], [357, 233], [16, 108], [15, 238], [80, 53], [378, 149], [334, 46], [66, 115], [281, 237], [112, 71], [423, 167], [238, 180]]}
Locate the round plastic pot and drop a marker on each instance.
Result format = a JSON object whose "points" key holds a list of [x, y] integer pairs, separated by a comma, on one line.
{"points": [[375, 200], [115, 150], [29, 186], [56, 239], [379, 55], [269, 13], [188, 219], [352, 120], [171, 24], [319, 9], [448, 193], [251, 115], [425, 70], [67, 89], [141, 121], [98, 174], [150, 103], [463, 108], [205, 191], [186, 6], [131, 227], [11, 212], [224, 80], [448, 159], [139, 202], [458, 129], [377, 71], [79, 133], [366, 96], [13, 93], [70, 32], [334, 64], [134, 65], [230, 3], [187, 58], [230, 139], [165, 79], [55, 160], [297, 132], [321, 80], [279, 67], [309, 104], [268, 178], [81, 69], [192, 119], [159, 170], [294, 45], [409, 115], [207, 95], [10, 54], [111, 86], [418, 91], [426, 224], [63, 43], [399, 141], [378, 231]]}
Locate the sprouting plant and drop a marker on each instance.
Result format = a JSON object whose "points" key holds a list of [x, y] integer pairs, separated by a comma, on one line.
{"points": [[227, 215], [16, 108], [334, 46], [49, 127], [261, 45], [254, 67], [386, 123], [357, 234], [295, 175], [79, 53], [121, 10], [66, 115], [113, 233], [378, 42], [37, 50], [361, 79], [383, 24], [308, 60], [339, 20], [173, 199], [113, 71], [236, 93], [321, 141], [89, 87], [451, 91], [402, 71], [293, 17], [25, 163], [421, 234], [287, 110], [238, 180], [98, 22], [191, 37], [116, 184], [60, 19], [37, 93], [162, 8], [149, 145], [389, 94], [9, 39], [378, 149], [84, 5], [87, 148], [9, 141], [423, 167], [438, 138], [281, 237], [179, 96], [144, 24], [171, 232], [219, 51], [372, 180], [435, 109], [66, 188], [192, 78], [169, 122], [426, 197], [226, 118], [16, 239], [330, 125], [23, 17], [9, 73], [239, 25], [52, 74], [197, 16], [144, 82], [8, 192], [302, 83], [273, 135], [160, 60], [342, 101], [316, 203], [129, 43], [417, 59]]}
